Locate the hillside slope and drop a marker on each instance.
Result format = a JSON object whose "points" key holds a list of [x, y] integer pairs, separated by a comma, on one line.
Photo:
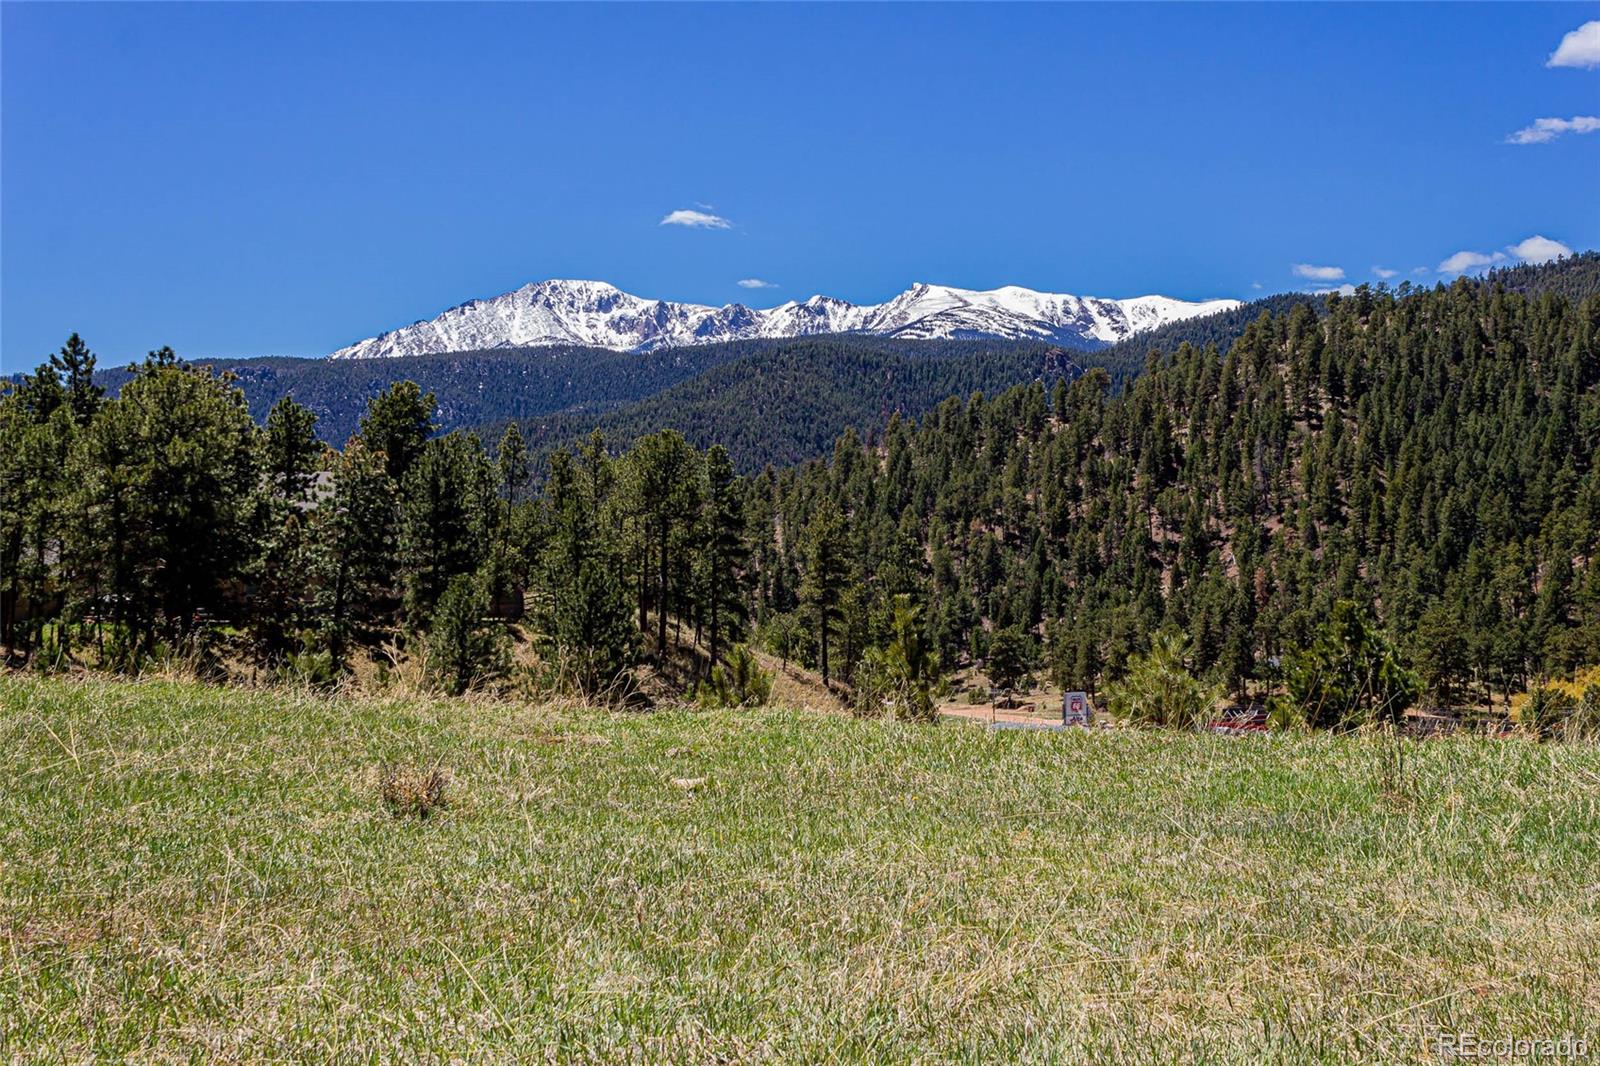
{"points": [[788, 404], [484, 390], [1433, 457]]}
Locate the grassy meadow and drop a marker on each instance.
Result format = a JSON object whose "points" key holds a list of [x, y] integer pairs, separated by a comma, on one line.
{"points": [[199, 873]]}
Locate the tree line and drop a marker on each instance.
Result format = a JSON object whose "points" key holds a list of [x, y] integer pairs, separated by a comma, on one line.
{"points": [[1395, 501]]}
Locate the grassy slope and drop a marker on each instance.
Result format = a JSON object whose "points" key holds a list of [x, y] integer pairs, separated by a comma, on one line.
{"points": [[187, 869]]}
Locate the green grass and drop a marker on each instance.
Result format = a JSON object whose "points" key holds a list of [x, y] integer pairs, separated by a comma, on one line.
{"points": [[199, 873]]}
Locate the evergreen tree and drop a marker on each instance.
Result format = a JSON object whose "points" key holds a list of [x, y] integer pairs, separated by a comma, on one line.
{"points": [[724, 551], [464, 650], [354, 553], [826, 572], [168, 482], [905, 674], [1010, 657], [1351, 675], [663, 479], [398, 422], [37, 432], [292, 450], [1159, 689], [75, 363], [445, 507], [584, 613]]}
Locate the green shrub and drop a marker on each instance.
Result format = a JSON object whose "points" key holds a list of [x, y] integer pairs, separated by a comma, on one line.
{"points": [[1542, 716], [1585, 721], [902, 678], [739, 682], [1159, 690], [310, 665], [1350, 676], [464, 651]]}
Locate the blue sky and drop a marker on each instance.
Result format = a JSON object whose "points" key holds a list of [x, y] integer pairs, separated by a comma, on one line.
{"points": [[258, 179]]}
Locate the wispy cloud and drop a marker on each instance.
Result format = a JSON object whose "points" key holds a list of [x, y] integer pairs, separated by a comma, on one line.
{"points": [[1384, 272], [1464, 261], [1317, 273], [1545, 130], [1538, 249], [1580, 48], [1535, 249], [756, 283], [696, 220], [1255, 285], [1343, 290]]}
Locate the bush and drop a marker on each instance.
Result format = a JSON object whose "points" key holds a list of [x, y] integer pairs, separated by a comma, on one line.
{"points": [[739, 682], [1585, 721], [312, 664], [411, 793], [1351, 676], [785, 637], [1547, 708], [1159, 690], [1577, 701], [904, 677], [463, 650]]}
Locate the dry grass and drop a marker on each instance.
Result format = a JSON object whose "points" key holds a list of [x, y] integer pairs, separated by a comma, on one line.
{"points": [[201, 873], [408, 792]]}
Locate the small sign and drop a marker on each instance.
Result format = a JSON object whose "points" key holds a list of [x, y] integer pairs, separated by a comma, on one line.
{"points": [[1076, 709]]}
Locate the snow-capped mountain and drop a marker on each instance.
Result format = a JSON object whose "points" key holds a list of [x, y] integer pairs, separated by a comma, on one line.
{"points": [[595, 314]]}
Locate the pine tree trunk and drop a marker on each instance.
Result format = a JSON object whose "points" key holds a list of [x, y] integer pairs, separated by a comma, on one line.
{"points": [[661, 601], [824, 642], [644, 586], [711, 639]]}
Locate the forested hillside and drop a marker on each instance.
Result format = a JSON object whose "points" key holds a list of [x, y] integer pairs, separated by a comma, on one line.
{"points": [[1395, 502], [473, 388], [1574, 277], [788, 404], [1220, 329], [1431, 458], [564, 391]]}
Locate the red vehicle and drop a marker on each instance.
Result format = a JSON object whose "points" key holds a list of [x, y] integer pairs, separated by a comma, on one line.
{"points": [[1241, 718]]}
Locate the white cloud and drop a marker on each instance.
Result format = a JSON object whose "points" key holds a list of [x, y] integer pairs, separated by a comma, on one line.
{"points": [[1255, 285], [696, 220], [1462, 262], [1538, 250], [1384, 272], [756, 283], [1545, 130], [1318, 273], [1580, 48], [1419, 270], [1346, 289]]}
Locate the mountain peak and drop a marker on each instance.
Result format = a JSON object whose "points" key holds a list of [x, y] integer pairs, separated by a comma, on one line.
{"points": [[598, 314]]}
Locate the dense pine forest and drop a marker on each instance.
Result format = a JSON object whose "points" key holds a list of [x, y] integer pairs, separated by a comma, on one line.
{"points": [[789, 403], [559, 393], [1387, 500]]}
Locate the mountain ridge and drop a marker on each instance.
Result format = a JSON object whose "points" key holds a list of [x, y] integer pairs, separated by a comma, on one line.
{"points": [[598, 314]]}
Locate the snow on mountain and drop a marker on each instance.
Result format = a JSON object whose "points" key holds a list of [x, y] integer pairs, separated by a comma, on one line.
{"points": [[595, 314]]}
